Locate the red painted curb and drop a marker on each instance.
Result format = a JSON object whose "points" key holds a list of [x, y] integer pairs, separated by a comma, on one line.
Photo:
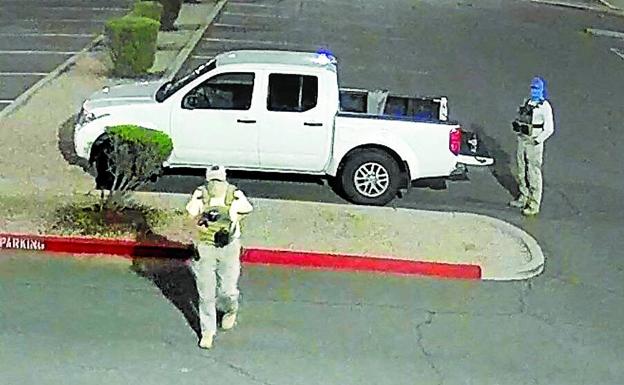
{"points": [[360, 263], [169, 249]]}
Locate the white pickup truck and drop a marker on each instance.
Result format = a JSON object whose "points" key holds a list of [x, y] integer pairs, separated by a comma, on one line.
{"points": [[282, 111]]}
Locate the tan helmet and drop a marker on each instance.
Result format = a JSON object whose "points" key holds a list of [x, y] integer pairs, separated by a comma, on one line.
{"points": [[215, 172]]}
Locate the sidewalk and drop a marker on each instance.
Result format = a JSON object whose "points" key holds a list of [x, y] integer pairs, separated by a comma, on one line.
{"points": [[173, 48], [502, 251], [34, 183]]}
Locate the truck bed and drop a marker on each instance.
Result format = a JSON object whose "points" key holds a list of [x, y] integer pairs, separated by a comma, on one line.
{"points": [[383, 104]]}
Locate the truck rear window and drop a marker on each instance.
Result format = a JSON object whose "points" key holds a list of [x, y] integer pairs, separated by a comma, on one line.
{"points": [[292, 93]]}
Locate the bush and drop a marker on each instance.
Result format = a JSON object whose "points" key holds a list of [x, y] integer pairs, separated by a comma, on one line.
{"points": [[132, 42], [134, 156], [150, 9]]}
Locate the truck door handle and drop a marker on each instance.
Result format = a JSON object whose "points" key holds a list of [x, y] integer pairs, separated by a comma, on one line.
{"points": [[312, 124], [245, 121]]}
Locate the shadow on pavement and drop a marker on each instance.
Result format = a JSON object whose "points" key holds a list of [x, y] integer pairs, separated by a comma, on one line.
{"points": [[172, 275], [176, 282], [501, 169]]}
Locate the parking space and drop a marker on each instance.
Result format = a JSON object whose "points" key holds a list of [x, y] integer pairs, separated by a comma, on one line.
{"points": [[38, 36], [308, 26]]}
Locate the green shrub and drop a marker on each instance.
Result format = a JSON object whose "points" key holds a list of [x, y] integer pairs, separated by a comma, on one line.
{"points": [[145, 139], [132, 43], [135, 156], [150, 9]]}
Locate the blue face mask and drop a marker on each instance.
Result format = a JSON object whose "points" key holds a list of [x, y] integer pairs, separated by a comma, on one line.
{"points": [[538, 89]]}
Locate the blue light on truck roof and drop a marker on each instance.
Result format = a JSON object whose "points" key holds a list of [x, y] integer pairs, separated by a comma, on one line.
{"points": [[325, 56]]}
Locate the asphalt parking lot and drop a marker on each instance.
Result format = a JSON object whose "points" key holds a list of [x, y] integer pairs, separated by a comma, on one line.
{"points": [[38, 36]]}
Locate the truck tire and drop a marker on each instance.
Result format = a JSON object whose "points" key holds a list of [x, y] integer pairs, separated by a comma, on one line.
{"points": [[370, 177]]}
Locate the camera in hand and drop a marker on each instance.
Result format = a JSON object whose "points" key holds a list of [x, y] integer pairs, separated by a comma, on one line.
{"points": [[207, 217], [523, 124]]}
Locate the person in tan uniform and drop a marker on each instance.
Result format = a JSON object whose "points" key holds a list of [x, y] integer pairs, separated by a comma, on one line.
{"points": [[533, 126], [218, 207]]}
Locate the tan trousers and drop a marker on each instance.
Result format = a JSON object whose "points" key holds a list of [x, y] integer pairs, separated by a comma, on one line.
{"points": [[216, 276], [529, 158]]}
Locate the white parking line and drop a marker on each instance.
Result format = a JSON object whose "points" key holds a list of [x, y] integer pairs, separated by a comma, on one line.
{"points": [[255, 15], [56, 21], [252, 5], [201, 57], [27, 52], [241, 26], [605, 32], [259, 42], [23, 73], [34, 34], [66, 7], [116, 9], [618, 52], [410, 72]]}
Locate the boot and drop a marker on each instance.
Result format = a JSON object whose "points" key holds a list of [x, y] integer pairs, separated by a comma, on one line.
{"points": [[206, 341], [228, 321], [519, 203], [530, 211]]}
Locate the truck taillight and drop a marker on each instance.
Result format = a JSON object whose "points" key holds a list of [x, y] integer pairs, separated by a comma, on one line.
{"points": [[455, 138]]}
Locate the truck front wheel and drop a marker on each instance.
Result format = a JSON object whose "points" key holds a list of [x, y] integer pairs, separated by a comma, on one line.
{"points": [[370, 177]]}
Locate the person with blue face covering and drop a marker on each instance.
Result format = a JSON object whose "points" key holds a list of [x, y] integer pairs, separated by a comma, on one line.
{"points": [[534, 124]]}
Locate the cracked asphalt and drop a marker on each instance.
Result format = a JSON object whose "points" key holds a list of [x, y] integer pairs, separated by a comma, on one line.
{"points": [[78, 320]]}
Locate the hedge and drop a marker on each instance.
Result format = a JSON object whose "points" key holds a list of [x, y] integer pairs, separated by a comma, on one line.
{"points": [[150, 9], [132, 42], [143, 138]]}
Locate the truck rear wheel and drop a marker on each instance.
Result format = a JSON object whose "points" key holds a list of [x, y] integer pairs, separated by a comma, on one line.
{"points": [[370, 177]]}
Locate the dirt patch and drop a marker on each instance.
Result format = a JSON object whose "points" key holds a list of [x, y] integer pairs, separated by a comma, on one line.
{"points": [[90, 219]]}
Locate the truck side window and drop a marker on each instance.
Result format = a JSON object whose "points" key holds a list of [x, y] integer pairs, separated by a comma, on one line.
{"points": [[230, 91], [292, 93]]}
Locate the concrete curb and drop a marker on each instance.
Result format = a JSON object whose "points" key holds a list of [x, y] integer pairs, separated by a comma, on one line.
{"points": [[24, 97], [130, 249], [605, 33], [183, 55], [611, 10], [608, 5], [533, 267]]}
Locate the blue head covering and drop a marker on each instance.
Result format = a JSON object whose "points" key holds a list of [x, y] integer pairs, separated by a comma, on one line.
{"points": [[538, 89]]}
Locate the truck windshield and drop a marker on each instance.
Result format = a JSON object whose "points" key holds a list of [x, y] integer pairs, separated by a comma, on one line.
{"points": [[172, 86]]}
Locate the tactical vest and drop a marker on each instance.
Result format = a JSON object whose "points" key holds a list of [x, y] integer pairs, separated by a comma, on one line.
{"points": [[525, 118], [216, 218]]}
